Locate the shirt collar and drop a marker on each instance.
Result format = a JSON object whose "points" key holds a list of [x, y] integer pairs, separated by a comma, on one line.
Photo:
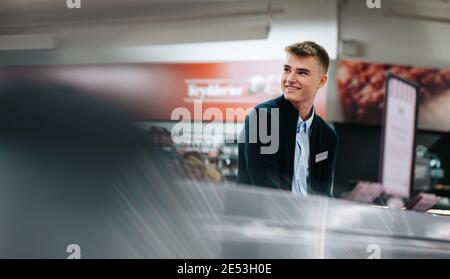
{"points": [[308, 121]]}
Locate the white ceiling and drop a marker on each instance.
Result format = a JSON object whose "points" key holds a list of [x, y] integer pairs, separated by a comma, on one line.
{"points": [[162, 30]]}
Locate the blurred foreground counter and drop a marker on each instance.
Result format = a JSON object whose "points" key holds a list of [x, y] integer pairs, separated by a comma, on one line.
{"points": [[252, 222]]}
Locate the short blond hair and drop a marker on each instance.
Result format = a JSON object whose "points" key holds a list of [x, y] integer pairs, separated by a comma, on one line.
{"points": [[310, 49]]}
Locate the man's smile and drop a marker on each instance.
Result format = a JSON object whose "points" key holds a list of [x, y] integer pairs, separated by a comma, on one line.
{"points": [[291, 87]]}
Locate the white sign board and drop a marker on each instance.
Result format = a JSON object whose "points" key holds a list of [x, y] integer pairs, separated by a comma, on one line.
{"points": [[398, 141]]}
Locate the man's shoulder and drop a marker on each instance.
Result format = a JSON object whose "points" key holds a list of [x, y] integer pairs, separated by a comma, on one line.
{"points": [[265, 108], [272, 103]]}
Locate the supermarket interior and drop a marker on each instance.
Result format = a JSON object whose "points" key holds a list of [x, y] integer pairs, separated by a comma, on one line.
{"points": [[183, 77]]}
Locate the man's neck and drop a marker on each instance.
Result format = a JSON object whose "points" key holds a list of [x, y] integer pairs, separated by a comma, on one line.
{"points": [[305, 110]]}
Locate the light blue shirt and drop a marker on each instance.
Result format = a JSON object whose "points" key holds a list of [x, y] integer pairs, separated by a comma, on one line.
{"points": [[300, 178]]}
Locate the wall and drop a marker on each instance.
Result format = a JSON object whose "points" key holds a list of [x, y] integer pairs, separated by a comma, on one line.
{"points": [[393, 39]]}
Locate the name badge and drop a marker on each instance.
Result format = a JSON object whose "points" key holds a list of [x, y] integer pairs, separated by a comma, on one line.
{"points": [[321, 156]]}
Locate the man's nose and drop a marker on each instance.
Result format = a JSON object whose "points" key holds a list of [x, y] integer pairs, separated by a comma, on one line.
{"points": [[290, 78]]}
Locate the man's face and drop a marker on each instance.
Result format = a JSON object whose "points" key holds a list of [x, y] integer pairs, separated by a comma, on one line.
{"points": [[302, 77]]}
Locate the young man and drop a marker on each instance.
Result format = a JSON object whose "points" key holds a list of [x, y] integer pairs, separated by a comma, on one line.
{"points": [[305, 158]]}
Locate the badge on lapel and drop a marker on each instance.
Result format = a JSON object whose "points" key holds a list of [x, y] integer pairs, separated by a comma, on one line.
{"points": [[321, 156]]}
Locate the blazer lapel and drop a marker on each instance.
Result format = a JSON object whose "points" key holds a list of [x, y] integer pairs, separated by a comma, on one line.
{"points": [[288, 128], [313, 147]]}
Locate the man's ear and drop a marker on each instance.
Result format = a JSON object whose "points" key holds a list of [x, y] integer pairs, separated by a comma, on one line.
{"points": [[323, 80]]}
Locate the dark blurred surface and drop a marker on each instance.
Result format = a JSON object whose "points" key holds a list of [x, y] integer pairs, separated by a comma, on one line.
{"points": [[67, 161]]}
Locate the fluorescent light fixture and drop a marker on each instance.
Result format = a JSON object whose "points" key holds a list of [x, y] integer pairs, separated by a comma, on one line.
{"points": [[425, 10], [27, 42], [191, 34]]}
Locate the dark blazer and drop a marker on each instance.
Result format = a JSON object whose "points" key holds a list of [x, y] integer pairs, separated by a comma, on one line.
{"points": [[276, 170]]}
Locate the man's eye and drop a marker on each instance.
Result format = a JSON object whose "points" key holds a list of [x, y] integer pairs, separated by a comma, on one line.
{"points": [[303, 73], [286, 70]]}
